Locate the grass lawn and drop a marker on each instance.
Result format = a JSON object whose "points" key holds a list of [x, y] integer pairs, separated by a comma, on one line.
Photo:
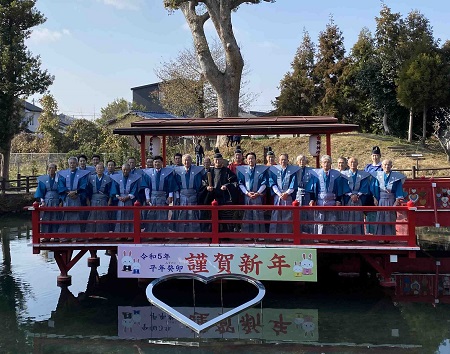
{"points": [[353, 145]]}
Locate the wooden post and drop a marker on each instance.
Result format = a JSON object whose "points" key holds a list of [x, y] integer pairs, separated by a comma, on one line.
{"points": [[143, 151], [329, 144], [19, 184], [164, 150], [27, 184]]}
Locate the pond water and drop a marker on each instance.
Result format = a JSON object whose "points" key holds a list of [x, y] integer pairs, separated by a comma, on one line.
{"points": [[101, 314]]}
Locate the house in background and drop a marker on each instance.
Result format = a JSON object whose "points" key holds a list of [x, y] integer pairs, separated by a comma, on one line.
{"points": [[148, 96], [65, 121], [31, 115]]}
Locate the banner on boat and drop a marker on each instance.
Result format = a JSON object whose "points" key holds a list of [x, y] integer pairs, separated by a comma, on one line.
{"points": [[281, 264]]}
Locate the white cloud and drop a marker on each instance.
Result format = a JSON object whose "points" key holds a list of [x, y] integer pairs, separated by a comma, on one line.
{"points": [[42, 35], [124, 4]]}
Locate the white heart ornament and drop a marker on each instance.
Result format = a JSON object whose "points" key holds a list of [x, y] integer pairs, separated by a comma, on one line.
{"points": [[208, 324], [413, 197]]}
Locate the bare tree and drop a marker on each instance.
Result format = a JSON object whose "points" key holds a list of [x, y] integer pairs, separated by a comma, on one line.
{"points": [[184, 90], [226, 81]]}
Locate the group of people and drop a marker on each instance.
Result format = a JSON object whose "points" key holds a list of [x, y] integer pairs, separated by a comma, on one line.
{"points": [[240, 182]]}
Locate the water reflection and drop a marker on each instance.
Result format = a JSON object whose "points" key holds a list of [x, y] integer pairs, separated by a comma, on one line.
{"points": [[100, 313]]}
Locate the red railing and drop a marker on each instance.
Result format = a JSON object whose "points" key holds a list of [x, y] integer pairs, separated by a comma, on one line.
{"points": [[215, 229]]}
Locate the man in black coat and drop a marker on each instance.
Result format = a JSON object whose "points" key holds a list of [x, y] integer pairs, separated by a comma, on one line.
{"points": [[220, 184]]}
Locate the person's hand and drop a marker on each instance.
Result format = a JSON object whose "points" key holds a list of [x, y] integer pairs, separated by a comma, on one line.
{"points": [[375, 202], [354, 198], [338, 203], [209, 188], [284, 196], [223, 188], [312, 203]]}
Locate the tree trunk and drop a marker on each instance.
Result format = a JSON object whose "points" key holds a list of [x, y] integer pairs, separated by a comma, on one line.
{"points": [[225, 81], [385, 124], [424, 125], [410, 127], [6, 159], [207, 143], [228, 106]]}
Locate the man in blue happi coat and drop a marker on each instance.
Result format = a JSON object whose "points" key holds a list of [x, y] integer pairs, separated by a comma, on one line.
{"points": [[99, 194], [387, 189], [159, 189], [283, 183], [372, 168], [253, 180], [47, 195], [188, 179], [72, 191], [327, 188], [359, 189], [125, 189]]}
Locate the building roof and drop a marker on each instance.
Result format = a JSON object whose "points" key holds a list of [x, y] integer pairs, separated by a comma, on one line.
{"points": [[237, 126], [155, 84], [31, 107], [152, 115]]}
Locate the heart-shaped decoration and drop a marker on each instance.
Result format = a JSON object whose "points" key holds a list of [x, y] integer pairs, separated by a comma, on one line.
{"points": [[444, 199], [444, 190], [187, 321], [422, 201], [438, 195], [444, 205], [413, 197], [413, 190]]}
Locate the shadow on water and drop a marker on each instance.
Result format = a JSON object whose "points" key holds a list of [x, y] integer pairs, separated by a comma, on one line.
{"points": [[110, 315]]}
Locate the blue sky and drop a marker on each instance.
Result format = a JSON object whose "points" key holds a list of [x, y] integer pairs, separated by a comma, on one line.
{"points": [[99, 49]]}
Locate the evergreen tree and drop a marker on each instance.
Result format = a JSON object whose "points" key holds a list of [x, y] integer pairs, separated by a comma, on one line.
{"points": [[20, 72], [297, 89], [330, 64], [417, 52], [389, 35], [357, 83]]}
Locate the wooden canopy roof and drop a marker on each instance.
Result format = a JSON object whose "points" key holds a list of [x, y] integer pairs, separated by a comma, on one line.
{"points": [[237, 126]]}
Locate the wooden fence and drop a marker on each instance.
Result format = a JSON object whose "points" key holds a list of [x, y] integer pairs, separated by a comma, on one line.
{"points": [[22, 184]]}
